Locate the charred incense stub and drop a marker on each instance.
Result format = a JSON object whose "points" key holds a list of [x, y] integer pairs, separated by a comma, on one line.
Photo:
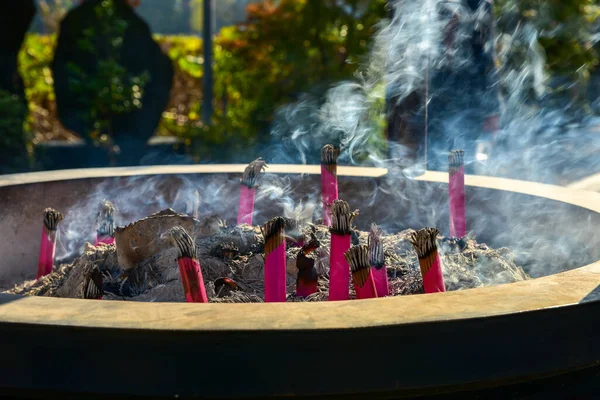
{"points": [[456, 160], [425, 243], [329, 156], [92, 284], [358, 259], [224, 286], [307, 280], [106, 219], [274, 233], [342, 217], [252, 172], [376, 257], [312, 244], [184, 242], [51, 219]]}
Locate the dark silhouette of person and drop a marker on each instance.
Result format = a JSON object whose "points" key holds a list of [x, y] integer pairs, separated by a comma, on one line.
{"points": [[463, 102], [139, 54], [15, 18]]}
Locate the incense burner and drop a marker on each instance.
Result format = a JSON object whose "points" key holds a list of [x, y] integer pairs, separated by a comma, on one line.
{"points": [[495, 337]]}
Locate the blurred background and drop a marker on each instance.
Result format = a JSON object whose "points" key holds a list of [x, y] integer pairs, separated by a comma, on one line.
{"points": [[125, 82]]}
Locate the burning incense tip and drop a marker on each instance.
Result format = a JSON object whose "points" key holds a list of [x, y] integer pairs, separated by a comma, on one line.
{"points": [[106, 220], [377, 261], [51, 219], [184, 242], [342, 217], [252, 172], [376, 257], [358, 259], [92, 284], [224, 286], [425, 244], [362, 275], [273, 232], [312, 245], [425, 241], [456, 160], [329, 155]]}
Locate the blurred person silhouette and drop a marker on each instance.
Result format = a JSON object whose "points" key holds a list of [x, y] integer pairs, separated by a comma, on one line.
{"points": [[96, 48], [15, 18]]}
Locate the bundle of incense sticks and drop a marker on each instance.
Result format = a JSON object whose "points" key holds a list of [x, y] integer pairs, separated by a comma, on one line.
{"points": [[189, 266], [248, 190], [329, 184], [425, 244], [105, 233], [377, 261], [339, 270], [456, 194], [275, 260], [308, 278], [48, 244], [362, 274], [92, 284]]}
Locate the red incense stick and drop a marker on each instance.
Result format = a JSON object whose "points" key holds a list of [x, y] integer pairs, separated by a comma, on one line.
{"points": [[339, 270], [377, 262], [189, 266], [362, 274], [275, 260], [92, 284], [456, 194], [105, 233], [308, 278], [425, 244], [329, 184], [48, 243], [248, 191]]}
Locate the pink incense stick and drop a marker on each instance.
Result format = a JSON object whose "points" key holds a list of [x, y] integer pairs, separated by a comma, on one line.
{"points": [[425, 244], [377, 262], [48, 243], [362, 275], [275, 260], [105, 233], [329, 184], [456, 194], [339, 269], [189, 266], [248, 191], [92, 284], [307, 281]]}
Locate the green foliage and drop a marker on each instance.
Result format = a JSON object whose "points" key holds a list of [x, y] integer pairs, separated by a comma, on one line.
{"points": [[34, 67], [14, 143], [286, 48], [12, 115], [568, 31], [111, 89]]}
